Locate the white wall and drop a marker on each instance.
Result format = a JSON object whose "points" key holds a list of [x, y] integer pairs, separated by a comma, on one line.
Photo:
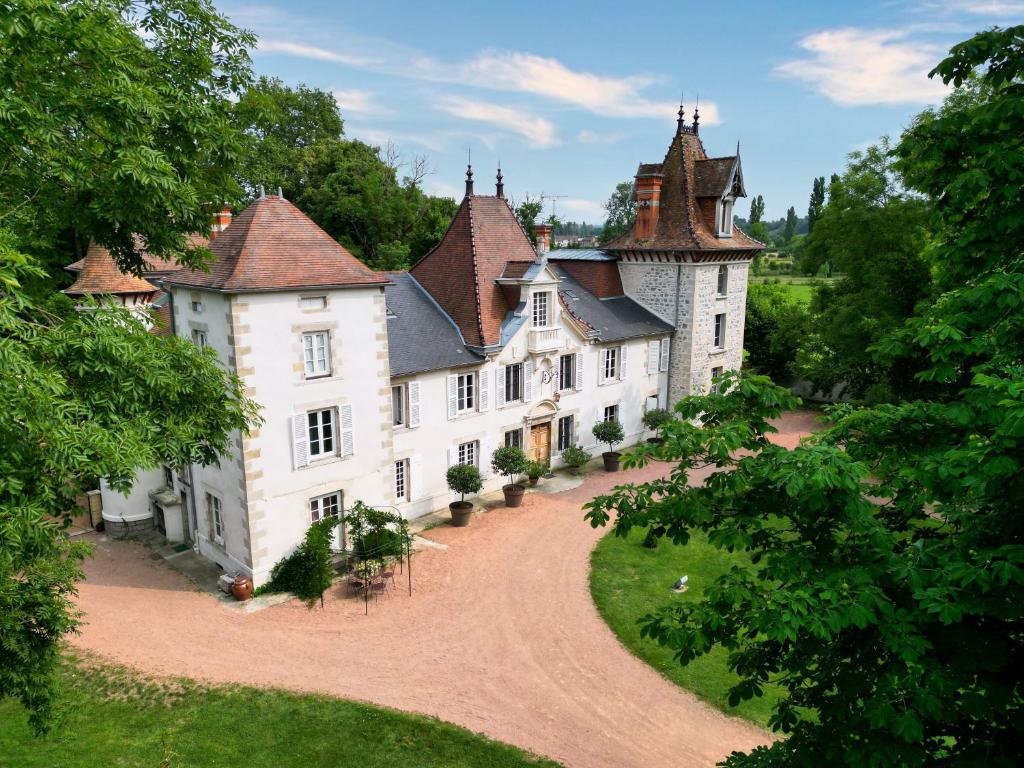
{"points": [[135, 506]]}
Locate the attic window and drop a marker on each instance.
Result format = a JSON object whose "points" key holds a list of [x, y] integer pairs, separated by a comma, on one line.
{"points": [[313, 302], [725, 217]]}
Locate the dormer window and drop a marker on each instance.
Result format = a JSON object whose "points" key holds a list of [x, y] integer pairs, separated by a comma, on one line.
{"points": [[725, 217]]}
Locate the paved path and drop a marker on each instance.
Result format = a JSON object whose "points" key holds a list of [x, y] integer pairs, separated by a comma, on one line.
{"points": [[500, 636]]}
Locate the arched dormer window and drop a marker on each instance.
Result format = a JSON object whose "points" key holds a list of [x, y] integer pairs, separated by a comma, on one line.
{"points": [[724, 228], [723, 280]]}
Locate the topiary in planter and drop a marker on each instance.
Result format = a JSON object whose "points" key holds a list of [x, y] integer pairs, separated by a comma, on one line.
{"points": [[575, 457], [609, 432], [463, 479], [654, 420], [510, 461]]}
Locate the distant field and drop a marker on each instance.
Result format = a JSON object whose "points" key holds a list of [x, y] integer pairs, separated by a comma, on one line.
{"points": [[800, 288]]}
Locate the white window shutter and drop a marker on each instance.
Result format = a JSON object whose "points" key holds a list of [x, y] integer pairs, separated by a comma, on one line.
{"points": [[578, 372], [653, 347], [347, 434], [499, 376], [414, 404], [415, 478], [452, 396], [484, 459], [663, 366], [528, 381], [453, 455], [622, 362], [485, 390], [300, 441]]}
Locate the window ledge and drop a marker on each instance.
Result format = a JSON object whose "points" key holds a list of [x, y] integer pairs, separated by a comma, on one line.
{"points": [[326, 377], [717, 351]]}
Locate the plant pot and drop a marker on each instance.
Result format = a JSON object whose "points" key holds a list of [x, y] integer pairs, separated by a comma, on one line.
{"points": [[655, 440], [611, 461], [533, 481], [241, 588], [574, 470], [513, 495], [461, 511]]}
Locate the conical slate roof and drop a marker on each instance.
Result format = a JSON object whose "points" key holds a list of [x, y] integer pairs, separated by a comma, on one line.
{"points": [[273, 246], [100, 276]]}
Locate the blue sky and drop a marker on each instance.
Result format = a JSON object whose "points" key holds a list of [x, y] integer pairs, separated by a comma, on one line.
{"points": [[572, 96]]}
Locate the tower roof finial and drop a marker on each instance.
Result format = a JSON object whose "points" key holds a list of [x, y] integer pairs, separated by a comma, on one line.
{"points": [[469, 172], [500, 186], [681, 120], [696, 115]]}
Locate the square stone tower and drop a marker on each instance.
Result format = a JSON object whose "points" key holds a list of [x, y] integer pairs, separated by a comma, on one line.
{"points": [[686, 261]]}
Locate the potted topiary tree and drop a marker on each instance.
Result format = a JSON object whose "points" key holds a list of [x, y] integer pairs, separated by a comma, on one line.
{"points": [[463, 479], [609, 432], [654, 420], [509, 460], [574, 458]]}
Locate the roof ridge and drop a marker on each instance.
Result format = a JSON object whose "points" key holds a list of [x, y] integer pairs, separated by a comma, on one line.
{"points": [[476, 272]]}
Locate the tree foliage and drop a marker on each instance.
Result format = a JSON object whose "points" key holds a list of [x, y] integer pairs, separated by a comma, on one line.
{"points": [[756, 210], [621, 208], [775, 328], [887, 552], [789, 230], [816, 203], [92, 394], [115, 124], [308, 571]]}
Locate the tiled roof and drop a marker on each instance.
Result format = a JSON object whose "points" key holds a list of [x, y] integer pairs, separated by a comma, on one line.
{"points": [[682, 223], [273, 246], [460, 273], [601, 278], [711, 177], [579, 254], [649, 169], [154, 265], [420, 336], [100, 275], [614, 319]]}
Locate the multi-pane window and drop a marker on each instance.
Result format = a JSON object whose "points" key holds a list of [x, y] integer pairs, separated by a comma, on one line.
{"points": [[720, 331], [513, 383], [716, 387], [398, 416], [317, 353], [540, 309], [197, 307], [465, 392], [323, 507], [564, 432], [723, 280], [321, 432], [566, 372], [213, 508], [199, 338], [611, 413], [402, 480], [610, 363], [467, 453], [514, 437]]}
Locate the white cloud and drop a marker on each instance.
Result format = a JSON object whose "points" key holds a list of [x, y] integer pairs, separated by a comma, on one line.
{"points": [[538, 131], [364, 102], [304, 51], [577, 209], [587, 136], [989, 7], [856, 67]]}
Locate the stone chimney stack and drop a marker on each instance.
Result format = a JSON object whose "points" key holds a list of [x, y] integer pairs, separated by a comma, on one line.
{"points": [[648, 202], [543, 238]]}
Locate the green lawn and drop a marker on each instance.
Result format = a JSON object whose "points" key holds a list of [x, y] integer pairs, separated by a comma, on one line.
{"points": [[110, 717], [629, 581], [800, 288]]}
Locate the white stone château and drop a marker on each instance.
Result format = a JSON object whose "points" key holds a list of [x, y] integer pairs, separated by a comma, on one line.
{"points": [[372, 384]]}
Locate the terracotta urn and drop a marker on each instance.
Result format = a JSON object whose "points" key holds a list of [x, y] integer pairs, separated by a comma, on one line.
{"points": [[241, 587]]}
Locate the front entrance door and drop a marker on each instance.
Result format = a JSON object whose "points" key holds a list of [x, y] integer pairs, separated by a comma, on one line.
{"points": [[540, 442]]}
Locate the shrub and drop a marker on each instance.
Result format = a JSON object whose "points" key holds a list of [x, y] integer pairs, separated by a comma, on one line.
{"points": [[575, 456], [464, 478], [609, 432], [509, 460], [306, 572], [536, 468], [656, 418]]}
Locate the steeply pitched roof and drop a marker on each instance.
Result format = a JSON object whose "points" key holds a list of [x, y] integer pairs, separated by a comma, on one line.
{"points": [[420, 336], [613, 319], [100, 275], [154, 265], [273, 246], [712, 177], [682, 223], [460, 273]]}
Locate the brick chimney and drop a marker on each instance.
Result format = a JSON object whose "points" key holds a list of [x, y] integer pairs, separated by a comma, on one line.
{"points": [[221, 219], [543, 237], [648, 203]]}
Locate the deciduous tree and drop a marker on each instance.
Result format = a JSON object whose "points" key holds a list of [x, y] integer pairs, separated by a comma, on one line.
{"points": [[621, 208]]}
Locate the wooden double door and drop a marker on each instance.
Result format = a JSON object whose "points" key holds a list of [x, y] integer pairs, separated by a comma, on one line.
{"points": [[540, 442]]}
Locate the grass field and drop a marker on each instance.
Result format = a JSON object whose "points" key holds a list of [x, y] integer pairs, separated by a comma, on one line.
{"points": [[111, 718], [629, 581], [800, 288]]}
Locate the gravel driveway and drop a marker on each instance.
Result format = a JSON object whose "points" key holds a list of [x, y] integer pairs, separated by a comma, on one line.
{"points": [[500, 636]]}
